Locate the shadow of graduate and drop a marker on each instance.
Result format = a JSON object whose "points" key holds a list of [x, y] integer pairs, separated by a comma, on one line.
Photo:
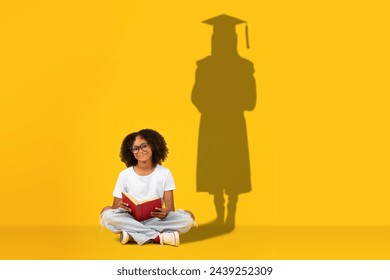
{"points": [[224, 89]]}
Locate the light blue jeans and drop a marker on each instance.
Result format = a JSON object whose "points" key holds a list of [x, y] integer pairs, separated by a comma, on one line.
{"points": [[118, 220]]}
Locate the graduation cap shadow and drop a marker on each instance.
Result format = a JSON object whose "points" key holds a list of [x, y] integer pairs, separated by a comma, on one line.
{"points": [[224, 88]]}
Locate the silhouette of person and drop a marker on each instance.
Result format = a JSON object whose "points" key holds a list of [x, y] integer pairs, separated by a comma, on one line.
{"points": [[224, 88]]}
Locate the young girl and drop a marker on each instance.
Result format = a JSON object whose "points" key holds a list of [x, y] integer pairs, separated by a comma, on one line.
{"points": [[143, 152]]}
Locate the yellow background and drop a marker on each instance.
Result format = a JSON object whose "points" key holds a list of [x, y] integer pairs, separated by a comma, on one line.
{"points": [[77, 76]]}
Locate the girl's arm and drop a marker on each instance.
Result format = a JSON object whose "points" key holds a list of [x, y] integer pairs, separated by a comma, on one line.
{"points": [[169, 206], [169, 202], [117, 203]]}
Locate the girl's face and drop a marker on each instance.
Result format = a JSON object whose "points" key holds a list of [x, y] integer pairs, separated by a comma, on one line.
{"points": [[142, 150]]}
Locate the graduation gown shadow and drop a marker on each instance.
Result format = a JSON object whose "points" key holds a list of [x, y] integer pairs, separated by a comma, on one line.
{"points": [[224, 89]]}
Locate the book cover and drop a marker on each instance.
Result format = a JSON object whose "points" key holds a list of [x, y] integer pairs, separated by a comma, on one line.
{"points": [[141, 209]]}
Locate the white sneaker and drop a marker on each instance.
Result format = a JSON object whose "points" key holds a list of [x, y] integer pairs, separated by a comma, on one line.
{"points": [[170, 238], [125, 237]]}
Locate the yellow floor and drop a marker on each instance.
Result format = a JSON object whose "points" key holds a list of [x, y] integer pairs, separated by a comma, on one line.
{"points": [[271, 243]]}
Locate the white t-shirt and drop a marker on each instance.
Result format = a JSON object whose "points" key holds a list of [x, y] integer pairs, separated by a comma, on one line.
{"points": [[144, 187]]}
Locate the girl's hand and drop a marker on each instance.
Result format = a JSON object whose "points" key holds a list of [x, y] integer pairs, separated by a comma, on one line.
{"points": [[123, 205], [160, 213]]}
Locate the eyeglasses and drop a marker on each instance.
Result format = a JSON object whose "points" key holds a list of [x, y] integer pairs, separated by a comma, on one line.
{"points": [[144, 147]]}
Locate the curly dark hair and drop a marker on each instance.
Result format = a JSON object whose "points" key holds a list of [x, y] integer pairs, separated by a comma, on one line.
{"points": [[155, 140]]}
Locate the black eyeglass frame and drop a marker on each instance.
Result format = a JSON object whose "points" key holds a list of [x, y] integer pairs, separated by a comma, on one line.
{"points": [[143, 147]]}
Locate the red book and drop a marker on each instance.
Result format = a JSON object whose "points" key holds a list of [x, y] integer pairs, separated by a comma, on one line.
{"points": [[141, 210]]}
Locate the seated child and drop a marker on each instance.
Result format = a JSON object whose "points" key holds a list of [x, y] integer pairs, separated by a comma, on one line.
{"points": [[144, 178]]}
